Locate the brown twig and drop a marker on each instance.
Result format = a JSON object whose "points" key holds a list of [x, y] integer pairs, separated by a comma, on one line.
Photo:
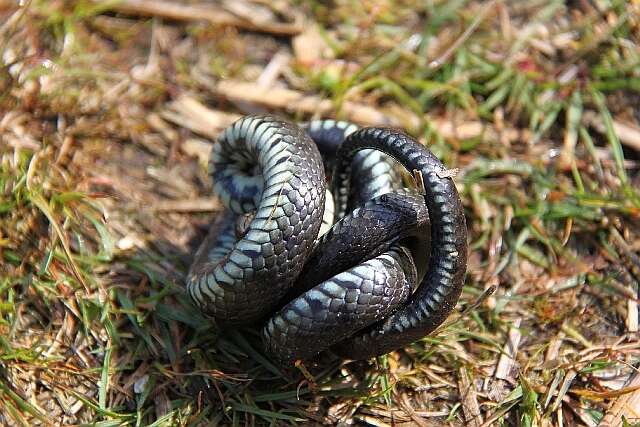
{"points": [[470, 407], [211, 13], [627, 406], [202, 204]]}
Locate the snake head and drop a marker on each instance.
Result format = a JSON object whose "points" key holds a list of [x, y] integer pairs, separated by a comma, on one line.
{"points": [[242, 223]]}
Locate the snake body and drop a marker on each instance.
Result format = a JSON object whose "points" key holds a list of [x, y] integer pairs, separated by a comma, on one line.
{"points": [[352, 289], [244, 283], [440, 289]]}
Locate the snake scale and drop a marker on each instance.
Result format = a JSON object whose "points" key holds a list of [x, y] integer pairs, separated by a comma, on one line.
{"points": [[355, 263]]}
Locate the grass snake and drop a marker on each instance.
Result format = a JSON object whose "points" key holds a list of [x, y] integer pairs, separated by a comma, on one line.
{"points": [[356, 262]]}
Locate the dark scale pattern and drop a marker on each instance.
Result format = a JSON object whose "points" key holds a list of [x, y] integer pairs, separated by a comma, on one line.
{"points": [[334, 309], [366, 232], [440, 289], [375, 173], [280, 154], [354, 290]]}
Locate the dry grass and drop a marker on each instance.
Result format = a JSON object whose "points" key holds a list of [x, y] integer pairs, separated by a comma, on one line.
{"points": [[107, 110]]}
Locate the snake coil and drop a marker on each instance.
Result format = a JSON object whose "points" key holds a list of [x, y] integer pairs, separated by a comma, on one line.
{"points": [[385, 269]]}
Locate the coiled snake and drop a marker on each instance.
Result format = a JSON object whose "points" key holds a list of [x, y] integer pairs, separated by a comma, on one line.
{"points": [[352, 289]]}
